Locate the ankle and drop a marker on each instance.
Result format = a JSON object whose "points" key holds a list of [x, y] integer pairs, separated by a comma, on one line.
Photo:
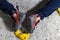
{"points": [[14, 15]]}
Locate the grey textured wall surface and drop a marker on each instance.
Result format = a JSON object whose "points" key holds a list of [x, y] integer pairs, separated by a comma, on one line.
{"points": [[47, 29]]}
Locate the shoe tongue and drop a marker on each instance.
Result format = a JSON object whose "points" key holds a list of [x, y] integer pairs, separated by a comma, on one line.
{"points": [[22, 17]]}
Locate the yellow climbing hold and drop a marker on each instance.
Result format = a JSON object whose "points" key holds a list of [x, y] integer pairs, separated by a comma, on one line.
{"points": [[22, 36], [17, 32], [58, 10]]}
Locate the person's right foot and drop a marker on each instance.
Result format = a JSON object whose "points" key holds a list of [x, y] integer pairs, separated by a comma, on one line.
{"points": [[16, 17]]}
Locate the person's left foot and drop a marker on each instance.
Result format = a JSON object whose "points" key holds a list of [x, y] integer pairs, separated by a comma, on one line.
{"points": [[36, 20], [30, 23]]}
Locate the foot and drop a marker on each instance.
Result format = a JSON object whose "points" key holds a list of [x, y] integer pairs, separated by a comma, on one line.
{"points": [[36, 20], [30, 22], [16, 17]]}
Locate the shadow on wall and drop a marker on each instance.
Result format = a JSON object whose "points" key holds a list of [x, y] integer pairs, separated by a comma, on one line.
{"points": [[7, 20]]}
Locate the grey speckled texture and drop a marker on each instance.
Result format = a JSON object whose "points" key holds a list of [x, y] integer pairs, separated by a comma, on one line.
{"points": [[47, 29]]}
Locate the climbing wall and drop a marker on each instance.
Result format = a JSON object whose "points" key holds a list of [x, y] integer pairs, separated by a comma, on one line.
{"points": [[47, 29]]}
